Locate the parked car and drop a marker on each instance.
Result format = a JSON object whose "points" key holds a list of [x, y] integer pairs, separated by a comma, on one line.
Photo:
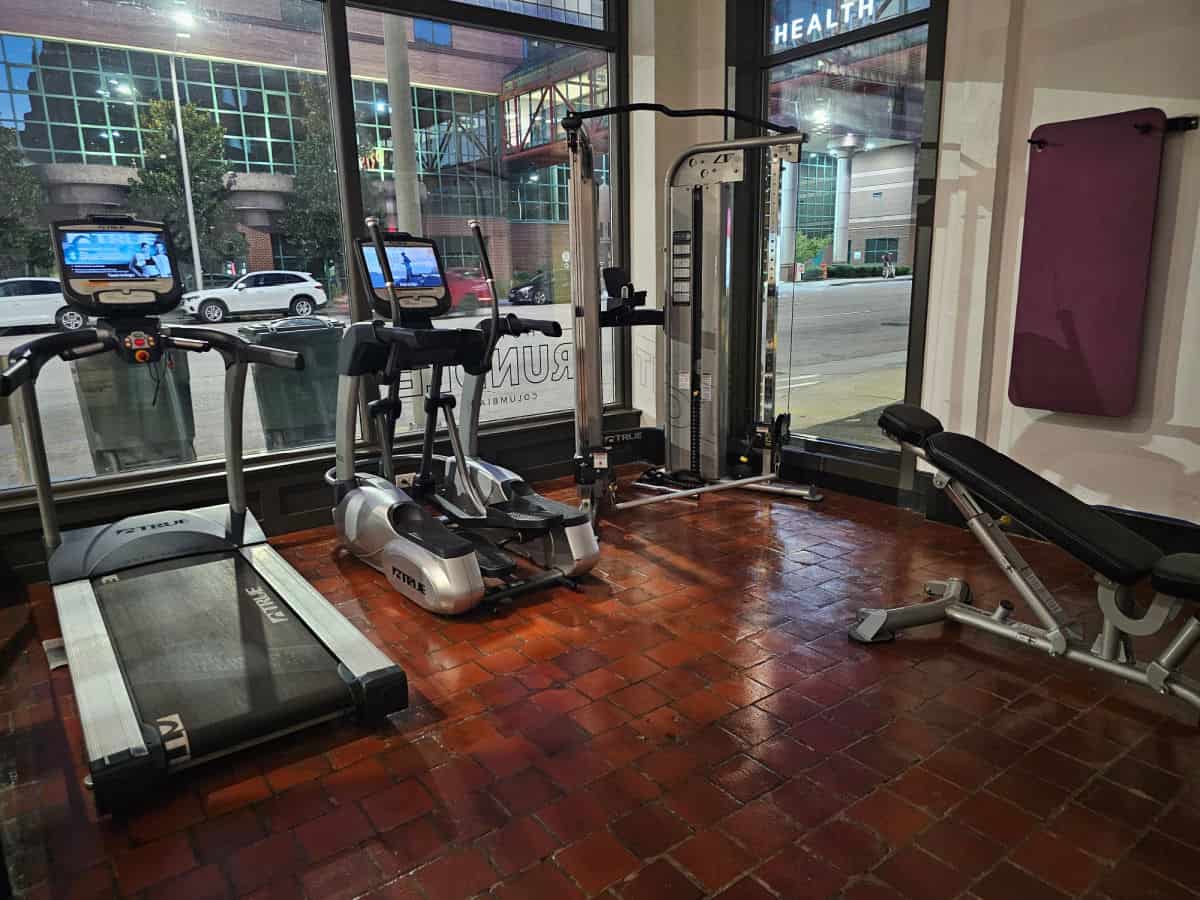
{"points": [[536, 289], [468, 290], [37, 301], [293, 293]]}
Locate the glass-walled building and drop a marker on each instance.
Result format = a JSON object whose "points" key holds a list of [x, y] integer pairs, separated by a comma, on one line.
{"points": [[78, 103]]}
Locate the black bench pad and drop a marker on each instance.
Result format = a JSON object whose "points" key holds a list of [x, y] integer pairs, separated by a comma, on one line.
{"points": [[908, 423], [1178, 575], [1083, 531]]}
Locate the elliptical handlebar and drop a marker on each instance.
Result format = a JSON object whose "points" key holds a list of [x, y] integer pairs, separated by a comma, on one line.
{"points": [[516, 326], [485, 262], [385, 265], [232, 347]]}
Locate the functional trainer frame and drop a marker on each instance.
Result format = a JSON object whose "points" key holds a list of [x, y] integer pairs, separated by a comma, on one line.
{"points": [[695, 309], [1176, 578]]}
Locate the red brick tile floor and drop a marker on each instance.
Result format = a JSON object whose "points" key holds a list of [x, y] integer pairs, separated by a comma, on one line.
{"points": [[692, 723]]}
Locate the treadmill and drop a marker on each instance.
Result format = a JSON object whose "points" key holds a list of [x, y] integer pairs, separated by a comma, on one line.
{"points": [[187, 635]]}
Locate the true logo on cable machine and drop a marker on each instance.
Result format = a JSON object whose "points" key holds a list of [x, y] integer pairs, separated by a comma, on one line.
{"points": [[405, 578], [270, 609]]}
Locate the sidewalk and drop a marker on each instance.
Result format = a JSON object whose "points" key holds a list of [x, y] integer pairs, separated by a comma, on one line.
{"points": [[838, 282], [842, 407]]}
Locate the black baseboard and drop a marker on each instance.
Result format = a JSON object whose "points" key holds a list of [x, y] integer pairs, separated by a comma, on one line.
{"points": [[861, 472]]}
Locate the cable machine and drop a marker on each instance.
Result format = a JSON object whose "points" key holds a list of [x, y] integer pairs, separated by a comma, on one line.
{"points": [[696, 243]]}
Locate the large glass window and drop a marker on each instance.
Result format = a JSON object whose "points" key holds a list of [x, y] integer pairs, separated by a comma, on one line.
{"points": [[437, 33], [842, 338], [485, 141], [89, 124], [794, 23]]}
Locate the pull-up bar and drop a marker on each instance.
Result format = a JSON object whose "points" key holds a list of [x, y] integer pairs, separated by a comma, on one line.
{"points": [[574, 119]]}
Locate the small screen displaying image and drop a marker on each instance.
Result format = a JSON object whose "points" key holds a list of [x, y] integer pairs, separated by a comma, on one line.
{"points": [[113, 255], [413, 266]]}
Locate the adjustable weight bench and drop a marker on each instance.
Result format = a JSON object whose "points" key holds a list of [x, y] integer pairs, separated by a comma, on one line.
{"points": [[966, 470]]}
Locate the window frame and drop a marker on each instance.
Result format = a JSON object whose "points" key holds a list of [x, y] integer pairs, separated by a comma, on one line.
{"points": [[749, 56]]}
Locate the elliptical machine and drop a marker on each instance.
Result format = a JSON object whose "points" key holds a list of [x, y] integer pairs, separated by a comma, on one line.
{"points": [[450, 562]]}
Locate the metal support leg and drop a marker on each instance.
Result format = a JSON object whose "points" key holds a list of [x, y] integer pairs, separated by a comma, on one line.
{"points": [[1173, 654], [878, 625]]}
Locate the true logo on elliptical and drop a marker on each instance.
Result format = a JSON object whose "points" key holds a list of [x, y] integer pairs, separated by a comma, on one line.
{"points": [[149, 526], [408, 579], [269, 607]]}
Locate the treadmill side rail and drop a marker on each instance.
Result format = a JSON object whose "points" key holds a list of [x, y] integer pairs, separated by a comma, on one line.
{"points": [[110, 723], [380, 686]]}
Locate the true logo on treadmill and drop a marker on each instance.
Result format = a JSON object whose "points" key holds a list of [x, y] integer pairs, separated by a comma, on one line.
{"points": [[149, 526], [267, 604], [174, 738], [408, 579]]}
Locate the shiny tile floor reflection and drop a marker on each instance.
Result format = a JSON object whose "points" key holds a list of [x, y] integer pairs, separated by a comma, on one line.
{"points": [[693, 723]]}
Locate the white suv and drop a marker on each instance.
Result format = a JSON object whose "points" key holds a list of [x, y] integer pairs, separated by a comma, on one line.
{"points": [[294, 293], [37, 301]]}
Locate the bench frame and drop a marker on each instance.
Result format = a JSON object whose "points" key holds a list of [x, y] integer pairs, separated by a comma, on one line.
{"points": [[1112, 650]]}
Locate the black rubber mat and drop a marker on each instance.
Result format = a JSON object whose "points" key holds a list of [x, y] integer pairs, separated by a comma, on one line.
{"points": [[213, 656]]}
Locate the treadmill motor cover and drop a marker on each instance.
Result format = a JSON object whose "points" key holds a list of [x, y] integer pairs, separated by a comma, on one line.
{"points": [[212, 656]]}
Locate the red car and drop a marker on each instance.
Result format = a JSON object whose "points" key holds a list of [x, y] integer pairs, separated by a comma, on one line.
{"points": [[468, 290]]}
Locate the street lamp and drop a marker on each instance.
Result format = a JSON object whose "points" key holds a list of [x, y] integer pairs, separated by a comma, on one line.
{"points": [[184, 20]]}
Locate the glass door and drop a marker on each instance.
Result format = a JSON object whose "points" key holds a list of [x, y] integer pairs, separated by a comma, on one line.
{"points": [[846, 234]]}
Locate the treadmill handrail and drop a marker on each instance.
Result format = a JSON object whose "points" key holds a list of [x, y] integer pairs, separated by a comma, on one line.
{"points": [[26, 361], [233, 348]]}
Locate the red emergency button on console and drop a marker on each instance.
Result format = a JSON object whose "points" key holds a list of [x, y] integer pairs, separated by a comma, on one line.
{"points": [[139, 342], [142, 356]]}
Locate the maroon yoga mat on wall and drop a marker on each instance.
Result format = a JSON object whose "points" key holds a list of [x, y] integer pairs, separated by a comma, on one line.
{"points": [[1085, 262]]}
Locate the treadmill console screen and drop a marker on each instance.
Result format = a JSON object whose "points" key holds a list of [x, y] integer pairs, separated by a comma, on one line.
{"points": [[114, 255], [117, 267], [417, 274]]}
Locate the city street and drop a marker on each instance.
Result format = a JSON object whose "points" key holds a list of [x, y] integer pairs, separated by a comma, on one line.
{"points": [[841, 353]]}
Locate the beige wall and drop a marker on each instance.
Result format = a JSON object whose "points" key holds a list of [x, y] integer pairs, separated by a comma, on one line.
{"points": [[889, 173], [1010, 66], [677, 57]]}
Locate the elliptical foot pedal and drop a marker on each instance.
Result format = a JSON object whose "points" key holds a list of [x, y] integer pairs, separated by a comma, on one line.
{"points": [[493, 562]]}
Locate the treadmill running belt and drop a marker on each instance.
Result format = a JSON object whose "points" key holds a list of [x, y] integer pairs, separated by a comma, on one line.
{"points": [[213, 656]]}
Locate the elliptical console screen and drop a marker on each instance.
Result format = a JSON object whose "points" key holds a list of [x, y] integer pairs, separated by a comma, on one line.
{"points": [[118, 263], [417, 275]]}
